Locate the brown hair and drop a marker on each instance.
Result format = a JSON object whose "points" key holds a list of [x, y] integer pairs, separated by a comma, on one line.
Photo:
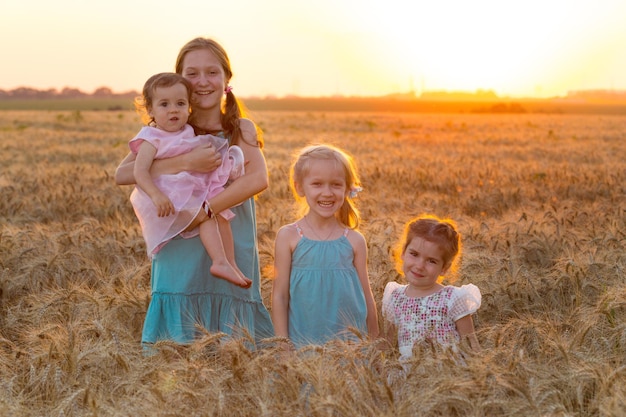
{"points": [[143, 104], [348, 213], [232, 110], [442, 232]]}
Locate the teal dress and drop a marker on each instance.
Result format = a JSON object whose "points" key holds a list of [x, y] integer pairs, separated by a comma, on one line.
{"points": [[325, 295], [185, 294]]}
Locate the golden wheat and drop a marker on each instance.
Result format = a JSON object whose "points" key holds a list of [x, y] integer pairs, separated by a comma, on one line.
{"points": [[539, 199]]}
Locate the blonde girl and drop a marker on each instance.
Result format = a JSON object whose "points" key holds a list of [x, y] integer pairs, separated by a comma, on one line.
{"points": [[321, 289]]}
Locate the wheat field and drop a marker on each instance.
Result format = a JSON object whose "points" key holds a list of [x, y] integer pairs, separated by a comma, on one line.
{"points": [[539, 200]]}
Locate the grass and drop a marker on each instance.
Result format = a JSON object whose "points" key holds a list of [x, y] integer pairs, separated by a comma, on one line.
{"points": [[539, 200]]}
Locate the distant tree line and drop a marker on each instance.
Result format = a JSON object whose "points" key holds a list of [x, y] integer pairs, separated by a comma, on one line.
{"points": [[598, 95], [22, 93]]}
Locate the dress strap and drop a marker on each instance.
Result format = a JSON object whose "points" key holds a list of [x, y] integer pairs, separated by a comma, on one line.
{"points": [[299, 230]]}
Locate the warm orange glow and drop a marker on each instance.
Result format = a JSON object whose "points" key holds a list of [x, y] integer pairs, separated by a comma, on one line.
{"points": [[280, 47]]}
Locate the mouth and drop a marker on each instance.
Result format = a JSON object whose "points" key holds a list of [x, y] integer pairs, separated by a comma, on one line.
{"points": [[417, 274], [326, 204], [204, 93]]}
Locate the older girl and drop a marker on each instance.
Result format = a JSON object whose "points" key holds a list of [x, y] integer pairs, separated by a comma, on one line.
{"points": [[183, 294]]}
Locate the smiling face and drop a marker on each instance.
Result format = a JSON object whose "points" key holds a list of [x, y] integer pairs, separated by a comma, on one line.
{"points": [[170, 107], [423, 264], [323, 187], [208, 79]]}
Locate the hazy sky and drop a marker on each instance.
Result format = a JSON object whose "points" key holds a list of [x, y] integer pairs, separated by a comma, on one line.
{"points": [[324, 47]]}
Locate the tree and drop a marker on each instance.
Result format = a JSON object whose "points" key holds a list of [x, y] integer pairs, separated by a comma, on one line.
{"points": [[103, 92], [68, 92]]}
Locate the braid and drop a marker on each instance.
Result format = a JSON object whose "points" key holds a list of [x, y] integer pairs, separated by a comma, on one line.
{"points": [[230, 118]]}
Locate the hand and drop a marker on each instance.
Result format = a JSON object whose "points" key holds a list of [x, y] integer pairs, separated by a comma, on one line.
{"points": [[203, 158], [285, 349], [163, 205]]}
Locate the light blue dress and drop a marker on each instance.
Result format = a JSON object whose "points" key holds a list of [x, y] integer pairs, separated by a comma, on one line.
{"points": [[325, 294], [185, 294]]}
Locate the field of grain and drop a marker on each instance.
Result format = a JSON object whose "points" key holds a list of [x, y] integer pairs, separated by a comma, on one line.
{"points": [[539, 199]]}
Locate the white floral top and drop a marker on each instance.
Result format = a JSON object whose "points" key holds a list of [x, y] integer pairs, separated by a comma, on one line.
{"points": [[428, 318]]}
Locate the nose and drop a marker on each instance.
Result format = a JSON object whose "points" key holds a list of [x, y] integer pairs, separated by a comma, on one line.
{"points": [[326, 190], [202, 79]]}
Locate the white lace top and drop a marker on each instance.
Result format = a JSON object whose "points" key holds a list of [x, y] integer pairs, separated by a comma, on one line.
{"points": [[428, 318]]}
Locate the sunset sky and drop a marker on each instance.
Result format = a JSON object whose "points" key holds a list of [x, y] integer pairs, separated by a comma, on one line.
{"points": [[538, 48]]}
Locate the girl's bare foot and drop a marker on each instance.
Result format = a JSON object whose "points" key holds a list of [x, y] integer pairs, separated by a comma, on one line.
{"points": [[227, 272]]}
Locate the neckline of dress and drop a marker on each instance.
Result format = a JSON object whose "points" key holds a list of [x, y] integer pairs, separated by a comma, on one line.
{"points": [[423, 296], [322, 241], [217, 132], [303, 236]]}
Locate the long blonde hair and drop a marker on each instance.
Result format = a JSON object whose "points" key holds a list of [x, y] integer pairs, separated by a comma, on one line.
{"points": [[348, 214]]}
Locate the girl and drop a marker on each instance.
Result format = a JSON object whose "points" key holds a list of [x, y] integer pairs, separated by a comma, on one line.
{"points": [[172, 204], [424, 309], [184, 298], [321, 287]]}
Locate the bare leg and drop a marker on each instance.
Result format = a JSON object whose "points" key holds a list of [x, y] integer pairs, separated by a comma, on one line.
{"points": [[228, 242], [221, 268]]}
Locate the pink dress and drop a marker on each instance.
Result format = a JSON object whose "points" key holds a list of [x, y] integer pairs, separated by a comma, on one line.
{"points": [[428, 318], [187, 190]]}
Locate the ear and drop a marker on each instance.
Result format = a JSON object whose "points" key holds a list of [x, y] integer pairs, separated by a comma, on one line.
{"points": [[298, 189]]}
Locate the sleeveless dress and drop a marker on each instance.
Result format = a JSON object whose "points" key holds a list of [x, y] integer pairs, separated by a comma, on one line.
{"points": [[186, 190], [325, 294], [418, 319], [185, 294]]}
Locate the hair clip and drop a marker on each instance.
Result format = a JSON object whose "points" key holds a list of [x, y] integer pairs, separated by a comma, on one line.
{"points": [[228, 89], [354, 191]]}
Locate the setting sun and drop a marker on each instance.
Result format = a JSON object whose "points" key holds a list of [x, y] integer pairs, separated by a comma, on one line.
{"points": [[535, 48]]}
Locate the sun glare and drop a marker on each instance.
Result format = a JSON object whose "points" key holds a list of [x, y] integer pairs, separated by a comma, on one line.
{"points": [[345, 47], [527, 49]]}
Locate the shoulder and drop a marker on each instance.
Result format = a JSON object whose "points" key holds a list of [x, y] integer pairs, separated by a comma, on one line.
{"points": [[464, 291], [247, 125], [465, 300], [249, 131], [148, 134], [287, 235], [391, 287], [356, 238], [390, 296], [287, 229]]}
